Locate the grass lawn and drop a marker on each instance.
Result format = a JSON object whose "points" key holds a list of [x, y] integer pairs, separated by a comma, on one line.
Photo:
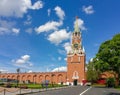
{"points": [[39, 86], [99, 85], [34, 86], [118, 87]]}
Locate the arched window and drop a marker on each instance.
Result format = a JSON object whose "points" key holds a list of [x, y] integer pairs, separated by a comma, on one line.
{"points": [[75, 75]]}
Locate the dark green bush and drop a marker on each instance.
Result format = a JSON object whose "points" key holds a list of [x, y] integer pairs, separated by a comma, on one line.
{"points": [[1, 84], [110, 82]]}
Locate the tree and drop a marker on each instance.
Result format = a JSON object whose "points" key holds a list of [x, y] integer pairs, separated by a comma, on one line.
{"points": [[92, 73], [108, 56]]}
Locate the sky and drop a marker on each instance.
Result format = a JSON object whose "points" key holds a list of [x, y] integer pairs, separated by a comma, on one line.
{"points": [[35, 35]]}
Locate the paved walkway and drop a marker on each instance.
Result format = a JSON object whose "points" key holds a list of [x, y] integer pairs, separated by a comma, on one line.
{"points": [[15, 91]]}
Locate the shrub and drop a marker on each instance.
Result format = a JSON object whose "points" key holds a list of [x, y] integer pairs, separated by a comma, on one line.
{"points": [[1, 84], [8, 85], [110, 82]]}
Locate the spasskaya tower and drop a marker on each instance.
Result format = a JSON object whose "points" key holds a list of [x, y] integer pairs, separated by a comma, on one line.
{"points": [[76, 58]]}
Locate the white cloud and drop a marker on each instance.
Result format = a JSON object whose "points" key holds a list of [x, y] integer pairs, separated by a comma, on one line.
{"points": [[80, 24], [17, 8], [88, 9], [91, 59], [30, 71], [4, 30], [23, 61], [67, 47], [29, 30], [47, 69], [37, 5], [60, 69], [30, 64], [25, 57], [61, 52], [20, 61], [59, 12], [58, 36], [65, 59], [15, 30], [51, 25], [6, 26], [59, 58], [28, 21], [3, 71], [49, 12]]}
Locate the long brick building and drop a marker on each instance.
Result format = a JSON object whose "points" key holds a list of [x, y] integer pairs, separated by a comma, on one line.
{"points": [[75, 66]]}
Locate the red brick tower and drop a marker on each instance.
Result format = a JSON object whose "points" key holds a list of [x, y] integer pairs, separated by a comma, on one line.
{"points": [[76, 58]]}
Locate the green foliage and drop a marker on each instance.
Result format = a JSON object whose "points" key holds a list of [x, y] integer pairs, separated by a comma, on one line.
{"points": [[110, 82], [108, 56], [1, 84], [92, 73]]}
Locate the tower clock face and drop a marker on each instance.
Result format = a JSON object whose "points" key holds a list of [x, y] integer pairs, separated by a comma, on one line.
{"points": [[75, 45]]}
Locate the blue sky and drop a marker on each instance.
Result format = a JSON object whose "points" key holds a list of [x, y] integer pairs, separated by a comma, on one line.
{"points": [[35, 34]]}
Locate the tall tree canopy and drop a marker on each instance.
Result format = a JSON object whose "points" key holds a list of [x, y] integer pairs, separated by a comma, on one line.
{"points": [[108, 56]]}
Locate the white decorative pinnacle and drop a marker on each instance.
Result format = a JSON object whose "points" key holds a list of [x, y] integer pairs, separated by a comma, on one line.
{"points": [[83, 49]]}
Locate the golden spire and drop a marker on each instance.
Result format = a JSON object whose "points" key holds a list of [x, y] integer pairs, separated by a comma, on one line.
{"points": [[76, 28]]}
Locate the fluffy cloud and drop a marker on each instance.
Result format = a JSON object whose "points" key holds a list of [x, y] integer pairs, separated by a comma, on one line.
{"points": [[80, 24], [20, 61], [59, 12], [23, 61], [3, 71], [37, 5], [25, 57], [17, 8], [88, 9], [67, 47], [15, 30], [58, 36], [5, 30], [60, 69], [51, 25], [6, 27], [6, 24]]}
